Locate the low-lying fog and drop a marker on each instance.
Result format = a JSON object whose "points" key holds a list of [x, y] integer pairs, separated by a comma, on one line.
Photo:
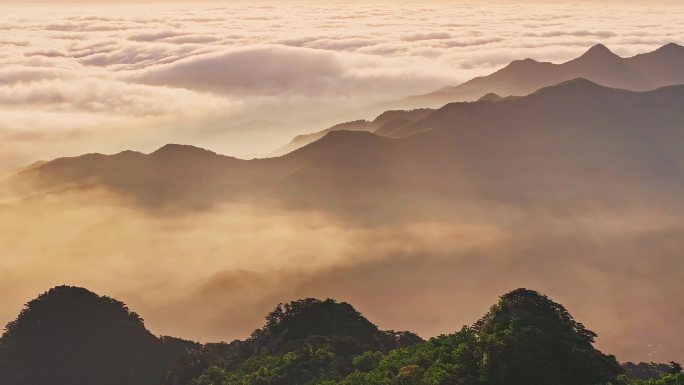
{"points": [[213, 275]]}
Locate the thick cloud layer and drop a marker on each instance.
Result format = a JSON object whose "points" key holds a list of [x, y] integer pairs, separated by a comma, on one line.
{"points": [[108, 76]]}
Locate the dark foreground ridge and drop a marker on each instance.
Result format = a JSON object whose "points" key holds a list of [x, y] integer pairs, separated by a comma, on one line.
{"points": [[71, 336]]}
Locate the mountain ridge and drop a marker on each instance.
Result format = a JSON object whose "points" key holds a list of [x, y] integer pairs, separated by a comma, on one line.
{"points": [[381, 125], [646, 71], [591, 132]]}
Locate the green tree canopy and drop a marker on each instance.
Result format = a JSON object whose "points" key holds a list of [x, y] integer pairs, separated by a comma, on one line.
{"points": [[71, 336], [527, 339]]}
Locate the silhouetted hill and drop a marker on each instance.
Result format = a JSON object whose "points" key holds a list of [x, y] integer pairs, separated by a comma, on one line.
{"points": [[662, 67], [71, 336]]}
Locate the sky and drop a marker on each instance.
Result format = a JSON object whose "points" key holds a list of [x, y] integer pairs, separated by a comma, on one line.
{"points": [[242, 78]]}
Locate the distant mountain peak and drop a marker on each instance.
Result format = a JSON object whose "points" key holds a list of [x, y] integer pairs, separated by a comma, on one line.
{"points": [[491, 97], [522, 63], [598, 52], [671, 46], [642, 72], [670, 49], [128, 152], [599, 48], [578, 82], [177, 149], [571, 86]]}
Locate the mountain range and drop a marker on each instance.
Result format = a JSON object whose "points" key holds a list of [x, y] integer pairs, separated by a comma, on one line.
{"points": [[576, 141], [646, 71]]}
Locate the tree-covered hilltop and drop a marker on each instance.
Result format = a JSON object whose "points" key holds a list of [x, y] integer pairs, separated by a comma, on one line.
{"points": [[302, 341], [289, 325], [72, 336], [525, 339], [528, 339]]}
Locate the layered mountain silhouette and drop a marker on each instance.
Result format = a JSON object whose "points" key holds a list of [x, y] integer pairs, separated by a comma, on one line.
{"points": [[70, 335], [662, 67], [642, 72], [386, 124], [575, 141]]}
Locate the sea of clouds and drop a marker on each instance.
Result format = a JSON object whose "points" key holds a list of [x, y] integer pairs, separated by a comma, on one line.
{"points": [[242, 78]]}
